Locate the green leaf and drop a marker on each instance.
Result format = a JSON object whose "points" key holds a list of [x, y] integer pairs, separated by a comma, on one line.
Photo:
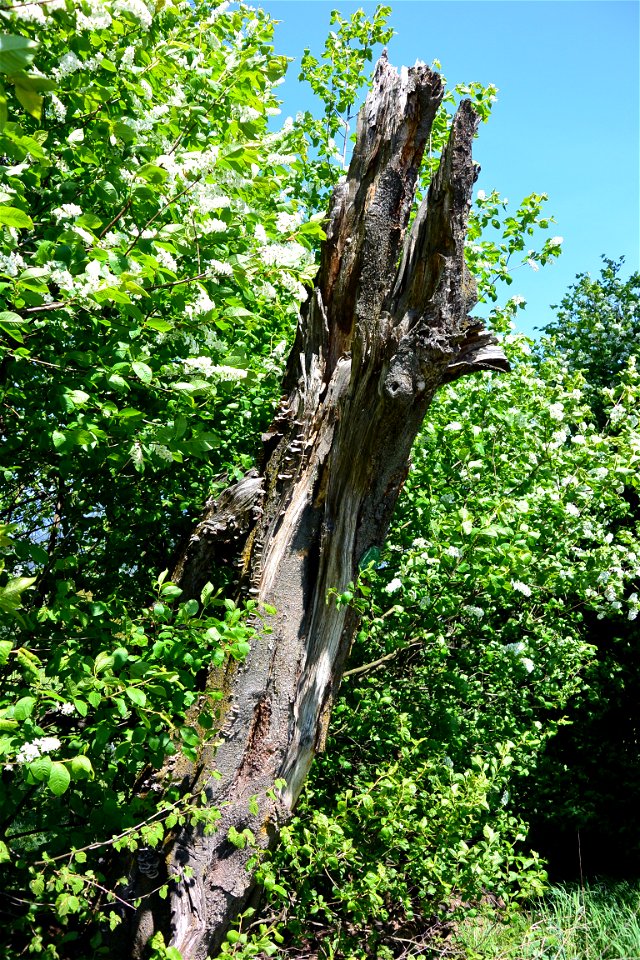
{"points": [[104, 661], [136, 696], [118, 383], [239, 650], [171, 591], [13, 323], [152, 174], [59, 778], [24, 708], [142, 371], [29, 89], [16, 53], [6, 646], [89, 220], [78, 397], [4, 852], [14, 217], [37, 886], [113, 294], [206, 592], [81, 768], [67, 903], [41, 768], [162, 326]]}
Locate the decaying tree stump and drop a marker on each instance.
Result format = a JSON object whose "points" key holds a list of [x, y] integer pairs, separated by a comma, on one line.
{"points": [[387, 325]]}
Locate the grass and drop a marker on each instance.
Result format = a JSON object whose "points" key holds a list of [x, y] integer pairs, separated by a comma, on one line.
{"points": [[600, 921]]}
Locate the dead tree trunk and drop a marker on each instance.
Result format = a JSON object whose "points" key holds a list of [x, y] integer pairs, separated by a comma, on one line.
{"points": [[387, 324]]}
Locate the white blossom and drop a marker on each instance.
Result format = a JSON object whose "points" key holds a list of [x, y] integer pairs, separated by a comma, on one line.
{"points": [[229, 373], [203, 365], [556, 411], [246, 114], [293, 286], [11, 264], [213, 225], [534, 266], [521, 588], [127, 59], [221, 269], [98, 17], [393, 586], [287, 222], [280, 159], [473, 611], [165, 259], [515, 648], [283, 254], [202, 304], [260, 234], [84, 235], [31, 12], [161, 451], [555, 242], [67, 212], [136, 8], [31, 751], [453, 552], [219, 10], [572, 510], [58, 108], [206, 200]]}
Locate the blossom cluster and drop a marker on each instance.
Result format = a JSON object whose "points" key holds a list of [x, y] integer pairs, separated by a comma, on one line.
{"points": [[37, 748]]}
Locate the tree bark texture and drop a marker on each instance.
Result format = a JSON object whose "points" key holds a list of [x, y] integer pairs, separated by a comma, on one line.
{"points": [[386, 325]]}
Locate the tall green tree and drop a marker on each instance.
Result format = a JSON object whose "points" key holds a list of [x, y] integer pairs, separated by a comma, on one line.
{"points": [[581, 805]]}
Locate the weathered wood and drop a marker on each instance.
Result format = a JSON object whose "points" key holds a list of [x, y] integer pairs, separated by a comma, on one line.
{"points": [[375, 342]]}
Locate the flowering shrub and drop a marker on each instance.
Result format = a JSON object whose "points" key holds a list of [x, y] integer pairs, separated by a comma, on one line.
{"points": [[514, 534], [152, 263]]}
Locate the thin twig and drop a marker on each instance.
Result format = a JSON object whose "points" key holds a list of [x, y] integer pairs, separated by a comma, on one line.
{"points": [[110, 893], [115, 219], [378, 663]]}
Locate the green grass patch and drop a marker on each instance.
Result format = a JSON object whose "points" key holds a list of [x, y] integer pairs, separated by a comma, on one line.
{"points": [[600, 921]]}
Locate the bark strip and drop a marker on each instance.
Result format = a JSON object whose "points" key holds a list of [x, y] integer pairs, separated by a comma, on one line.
{"points": [[374, 343]]}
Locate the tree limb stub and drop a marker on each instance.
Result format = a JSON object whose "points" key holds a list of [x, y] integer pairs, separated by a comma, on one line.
{"points": [[374, 343]]}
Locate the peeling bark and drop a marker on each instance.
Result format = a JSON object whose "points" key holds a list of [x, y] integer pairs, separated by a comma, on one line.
{"points": [[375, 342]]}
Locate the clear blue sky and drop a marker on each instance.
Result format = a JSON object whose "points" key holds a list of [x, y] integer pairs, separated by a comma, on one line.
{"points": [[566, 122]]}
